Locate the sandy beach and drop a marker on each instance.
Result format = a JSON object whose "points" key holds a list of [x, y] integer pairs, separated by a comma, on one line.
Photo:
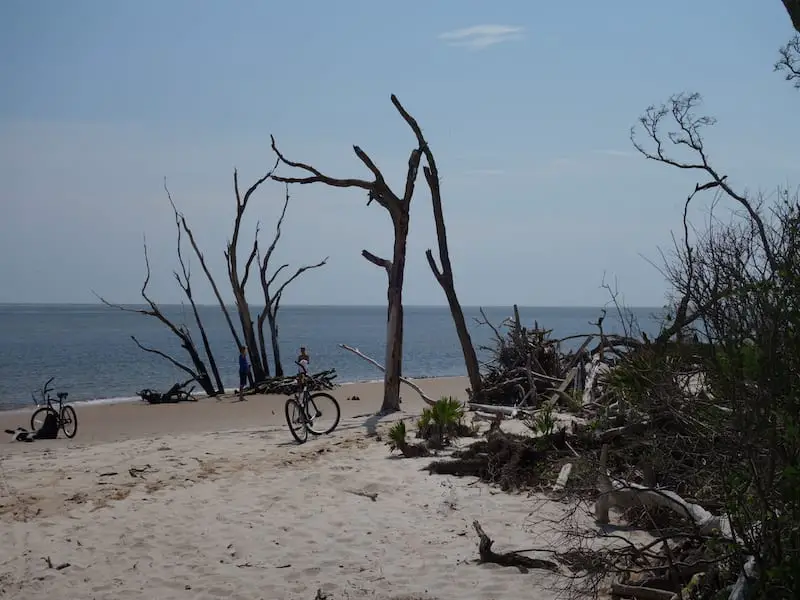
{"points": [[215, 500]]}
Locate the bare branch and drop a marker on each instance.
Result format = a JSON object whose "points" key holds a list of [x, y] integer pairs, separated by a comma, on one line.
{"points": [[316, 176], [377, 260], [165, 356], [276, 273], [265, 261], [432, 264], [688, 135], [299, 272], [252, 257], [205, 268], [789, 62]]}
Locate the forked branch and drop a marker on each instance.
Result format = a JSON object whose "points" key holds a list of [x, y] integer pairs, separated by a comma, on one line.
{"points": [[789, 62], [687, 135]]}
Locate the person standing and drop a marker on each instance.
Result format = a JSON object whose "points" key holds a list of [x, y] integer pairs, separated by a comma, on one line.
{"points": [[244, 371]]}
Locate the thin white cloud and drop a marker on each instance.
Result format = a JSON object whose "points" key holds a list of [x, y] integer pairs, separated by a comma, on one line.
{"points": [[482, 36]]}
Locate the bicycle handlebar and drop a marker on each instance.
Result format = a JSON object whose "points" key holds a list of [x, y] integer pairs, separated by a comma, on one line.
{"points": [[47, 387]]}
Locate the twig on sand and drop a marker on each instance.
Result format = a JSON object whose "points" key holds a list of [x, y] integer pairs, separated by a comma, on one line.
{"points": [[371, 495], [427, 399], [140, 471], [59, 567], [508, 559]]}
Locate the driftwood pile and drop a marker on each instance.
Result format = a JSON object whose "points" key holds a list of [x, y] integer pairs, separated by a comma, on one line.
{"points": [[528, 366], [286, 386], [629, 430]]}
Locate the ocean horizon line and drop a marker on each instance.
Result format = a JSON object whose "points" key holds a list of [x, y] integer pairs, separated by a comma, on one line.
{"points": [[232, 305]]}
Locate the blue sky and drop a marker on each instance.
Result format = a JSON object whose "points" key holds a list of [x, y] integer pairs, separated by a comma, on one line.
{"points": [[527, 106]]}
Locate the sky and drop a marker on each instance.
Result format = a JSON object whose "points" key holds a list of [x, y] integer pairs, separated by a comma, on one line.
{"points": [[526, 105]]}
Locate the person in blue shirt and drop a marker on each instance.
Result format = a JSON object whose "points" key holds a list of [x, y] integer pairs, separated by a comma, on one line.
{"points": [[244, 371]]}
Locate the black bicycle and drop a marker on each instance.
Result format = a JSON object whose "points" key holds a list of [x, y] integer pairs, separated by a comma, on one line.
{"points": [[306, 412], [66, 418]]}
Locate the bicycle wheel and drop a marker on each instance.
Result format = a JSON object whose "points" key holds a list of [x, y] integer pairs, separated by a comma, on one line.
{"points": [[37, 419], [69, 421], [323, 413], [296, 420]]}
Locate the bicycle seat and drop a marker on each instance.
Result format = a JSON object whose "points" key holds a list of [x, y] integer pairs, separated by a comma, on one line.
{"points": [[62, 395]]}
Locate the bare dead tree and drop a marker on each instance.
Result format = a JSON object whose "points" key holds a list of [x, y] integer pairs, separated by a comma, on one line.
{"points": [[238, 283], [444, 275], [184, 280], [687, 135], [199, 371], [200, 257], [272, 300], [789, 61], [398, 208]]}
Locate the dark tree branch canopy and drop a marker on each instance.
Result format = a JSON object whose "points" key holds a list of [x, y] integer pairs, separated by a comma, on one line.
{"points": [[789, 62]]}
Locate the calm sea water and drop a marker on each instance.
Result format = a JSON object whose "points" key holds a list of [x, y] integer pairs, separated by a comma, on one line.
{"points": [[88, 348]]}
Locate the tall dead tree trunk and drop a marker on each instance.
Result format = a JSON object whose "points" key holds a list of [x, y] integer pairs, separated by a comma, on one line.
{"points": [[793, 8], [272, 300], [184, 281], [238, 284], [445, 275], [199, 373], [223, 307], [398, 209]]}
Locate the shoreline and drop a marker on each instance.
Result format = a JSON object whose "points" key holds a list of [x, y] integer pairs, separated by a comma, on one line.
{"points": [[105, 401], [111, 422]]}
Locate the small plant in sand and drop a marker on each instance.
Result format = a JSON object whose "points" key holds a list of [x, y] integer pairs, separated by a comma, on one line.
{"points": [[397, 441], [543, 422], [442, 422]]}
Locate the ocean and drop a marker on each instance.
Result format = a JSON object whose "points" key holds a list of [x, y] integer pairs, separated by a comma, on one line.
{"points": [[89, 351]]}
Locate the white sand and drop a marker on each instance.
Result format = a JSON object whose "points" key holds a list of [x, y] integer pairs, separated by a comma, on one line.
{"points": [[248, 514]]}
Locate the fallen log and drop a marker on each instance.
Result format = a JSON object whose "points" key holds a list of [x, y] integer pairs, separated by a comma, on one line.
{"points": [[508, 559], [626, 495]]}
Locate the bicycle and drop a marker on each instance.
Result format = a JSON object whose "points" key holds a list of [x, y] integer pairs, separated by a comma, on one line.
{"points": [[66, 418], [303, 413]]}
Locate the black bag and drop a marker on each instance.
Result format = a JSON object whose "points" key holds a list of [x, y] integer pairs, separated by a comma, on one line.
{"points": [[49, 429]]}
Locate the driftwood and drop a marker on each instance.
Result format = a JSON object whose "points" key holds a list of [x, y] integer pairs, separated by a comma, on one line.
{"points": [[427, 399], [508, 559], [288, 385], [626, 495]]}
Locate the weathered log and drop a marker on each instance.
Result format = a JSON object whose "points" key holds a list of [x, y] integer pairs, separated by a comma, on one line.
{"points": [[626, 495], [639, 592], [563, 477], [508, 559]]}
